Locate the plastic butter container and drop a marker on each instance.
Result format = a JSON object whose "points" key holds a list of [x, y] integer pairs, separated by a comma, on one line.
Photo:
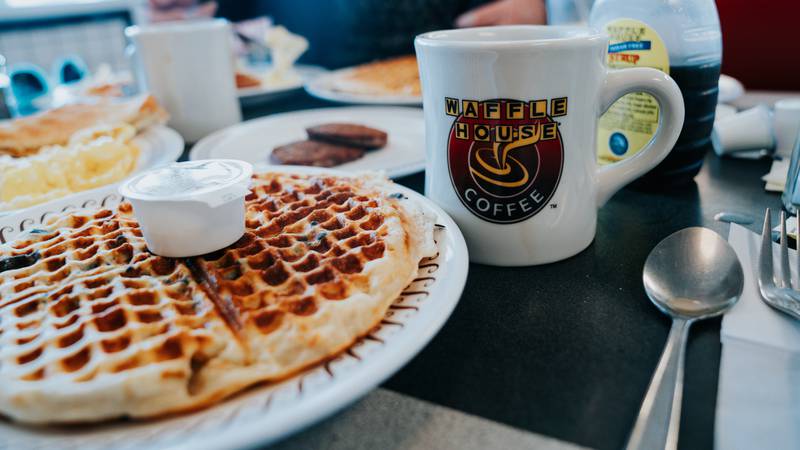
{"points": [[190, 208]]}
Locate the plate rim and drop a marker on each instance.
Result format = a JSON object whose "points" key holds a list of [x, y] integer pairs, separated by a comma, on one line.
{"points": [[202, 148], [268, 428]]}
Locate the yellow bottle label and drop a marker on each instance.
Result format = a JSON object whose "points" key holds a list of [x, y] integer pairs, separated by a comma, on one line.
{"points": [[631, 121]]}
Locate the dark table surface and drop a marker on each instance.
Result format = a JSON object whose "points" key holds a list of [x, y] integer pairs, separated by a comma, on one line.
{"points": [[568, 349]]}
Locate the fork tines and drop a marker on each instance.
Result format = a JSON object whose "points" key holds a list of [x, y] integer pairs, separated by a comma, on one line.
{"points": [[776, 286]]}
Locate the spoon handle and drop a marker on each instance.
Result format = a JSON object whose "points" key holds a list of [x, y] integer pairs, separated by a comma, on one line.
{"points": [[660, 414]]}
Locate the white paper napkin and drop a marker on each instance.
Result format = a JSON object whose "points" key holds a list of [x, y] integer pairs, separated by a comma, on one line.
{"points": [[776, 178], [758, 401]]}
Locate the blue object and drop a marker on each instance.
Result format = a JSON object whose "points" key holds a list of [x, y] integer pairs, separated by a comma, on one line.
{"points": [[791, 192], [629, 45], [618, 143], [70, 69], [27, 83], [4, 89]]}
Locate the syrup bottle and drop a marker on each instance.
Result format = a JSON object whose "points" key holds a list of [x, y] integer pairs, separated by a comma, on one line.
{"points": [[681, 38]]}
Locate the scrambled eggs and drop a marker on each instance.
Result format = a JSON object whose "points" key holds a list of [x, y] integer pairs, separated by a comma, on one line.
{"points": [[93, 157]]}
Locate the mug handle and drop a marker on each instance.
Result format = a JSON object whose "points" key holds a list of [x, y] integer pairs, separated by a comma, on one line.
{"points": [[612, 177]]}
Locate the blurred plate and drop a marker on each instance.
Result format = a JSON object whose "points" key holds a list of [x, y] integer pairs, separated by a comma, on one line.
{"points": [[253, 141], [322, 87], [158, 145], [257, 95]]}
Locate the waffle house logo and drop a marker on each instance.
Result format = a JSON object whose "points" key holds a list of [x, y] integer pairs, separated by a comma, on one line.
{"points": [[505, 156]]}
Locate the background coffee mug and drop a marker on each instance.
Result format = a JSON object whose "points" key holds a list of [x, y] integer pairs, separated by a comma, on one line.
{"points": [[511, 123], [189, 67]]}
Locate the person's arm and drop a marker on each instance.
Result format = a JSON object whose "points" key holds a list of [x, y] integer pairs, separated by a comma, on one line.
{"points": [[169, 10], [233, 10], [505, 12]]}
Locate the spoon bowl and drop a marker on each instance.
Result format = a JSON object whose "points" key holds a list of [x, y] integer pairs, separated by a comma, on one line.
{"points": [[692, 274]]}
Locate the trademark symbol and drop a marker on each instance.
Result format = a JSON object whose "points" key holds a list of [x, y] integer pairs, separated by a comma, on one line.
{"points": [[553, 205]]}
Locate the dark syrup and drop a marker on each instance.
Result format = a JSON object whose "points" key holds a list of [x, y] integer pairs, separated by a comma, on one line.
{"points": [[699, 86]]}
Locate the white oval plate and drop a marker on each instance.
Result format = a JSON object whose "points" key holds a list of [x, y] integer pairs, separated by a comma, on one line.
{"points": [[158, 145], [253, 141], [322, 87], [265, 413], [257, 95]]}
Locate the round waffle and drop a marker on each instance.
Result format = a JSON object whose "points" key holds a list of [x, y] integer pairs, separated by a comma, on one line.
{"points": [[93, 326]]}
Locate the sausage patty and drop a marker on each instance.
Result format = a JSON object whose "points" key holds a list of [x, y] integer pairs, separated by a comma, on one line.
{"points": [[348, 134], [315, 153]]}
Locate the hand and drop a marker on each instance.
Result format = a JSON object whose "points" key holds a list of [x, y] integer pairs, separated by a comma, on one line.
{"points": [[169, 10], [505, 12]]}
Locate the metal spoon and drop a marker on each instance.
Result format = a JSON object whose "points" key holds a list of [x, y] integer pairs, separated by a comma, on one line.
{"points": [[693, 274]]}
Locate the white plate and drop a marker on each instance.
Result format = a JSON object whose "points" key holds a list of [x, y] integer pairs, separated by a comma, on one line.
{"points": [[729, 89], [158, 145], [266, 413], [257, 95], [322, 87], [253, 141]]}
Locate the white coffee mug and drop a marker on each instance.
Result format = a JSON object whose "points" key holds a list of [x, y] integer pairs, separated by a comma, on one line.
{"points": [[189, 67], [511, 122]]}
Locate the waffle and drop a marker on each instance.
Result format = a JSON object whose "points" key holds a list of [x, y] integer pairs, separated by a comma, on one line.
{"points": [[394, 76], [93, 326]]}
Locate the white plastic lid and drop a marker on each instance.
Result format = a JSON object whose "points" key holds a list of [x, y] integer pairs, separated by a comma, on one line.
{"points": [[788, 104], [211, 181]]}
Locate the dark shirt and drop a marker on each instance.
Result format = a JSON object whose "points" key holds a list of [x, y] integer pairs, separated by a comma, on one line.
{"points": [[347, 32]]}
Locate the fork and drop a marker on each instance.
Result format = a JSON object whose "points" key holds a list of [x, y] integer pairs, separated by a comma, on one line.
{"points": [[776, 286]]}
